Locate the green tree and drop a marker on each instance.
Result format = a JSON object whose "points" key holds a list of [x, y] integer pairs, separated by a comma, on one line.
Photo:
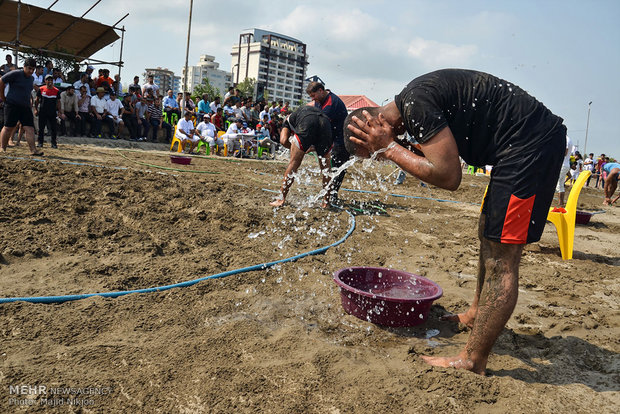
{"points": [[205, 87], [246, 88]]}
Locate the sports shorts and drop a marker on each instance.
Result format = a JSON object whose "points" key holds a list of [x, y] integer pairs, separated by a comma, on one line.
{"points": [[521, 190], [17, 113]]}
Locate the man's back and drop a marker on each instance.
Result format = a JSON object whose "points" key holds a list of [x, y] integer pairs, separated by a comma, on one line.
{"points": [[489, 117]]}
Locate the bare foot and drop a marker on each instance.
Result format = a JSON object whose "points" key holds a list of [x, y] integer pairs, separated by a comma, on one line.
{"points": [[465, 318], [277, 203], [453, 362]]}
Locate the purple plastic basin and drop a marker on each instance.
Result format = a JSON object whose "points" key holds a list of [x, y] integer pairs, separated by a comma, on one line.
{"points": [[582, 217], [177, 159], [386, 296]]}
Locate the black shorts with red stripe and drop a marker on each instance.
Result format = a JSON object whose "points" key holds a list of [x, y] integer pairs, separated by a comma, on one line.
{"points": [[521, 190]]}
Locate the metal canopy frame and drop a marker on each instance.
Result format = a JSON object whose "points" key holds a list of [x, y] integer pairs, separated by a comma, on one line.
{"points": [[26, 27]]}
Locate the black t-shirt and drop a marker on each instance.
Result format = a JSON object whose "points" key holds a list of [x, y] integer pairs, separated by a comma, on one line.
{"points": [[489, 117], [312, 127], [20, 87]]}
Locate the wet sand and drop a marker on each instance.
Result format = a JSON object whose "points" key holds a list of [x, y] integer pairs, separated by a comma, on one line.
{"points": [[97, 219]]}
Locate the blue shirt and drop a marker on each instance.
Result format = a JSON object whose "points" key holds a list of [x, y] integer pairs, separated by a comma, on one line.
{"points": [[607, 167], [171, 102], [203, 106], [20, 87]]}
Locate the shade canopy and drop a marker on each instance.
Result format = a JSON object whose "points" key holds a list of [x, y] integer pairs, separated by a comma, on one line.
{"points": [[50, 30]]}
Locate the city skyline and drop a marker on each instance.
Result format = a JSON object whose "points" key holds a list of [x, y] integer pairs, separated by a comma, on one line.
{"points": [[562, 52]]}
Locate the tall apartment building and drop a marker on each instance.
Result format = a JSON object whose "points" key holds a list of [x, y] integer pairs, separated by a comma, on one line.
{"points": [[277, 62], [164, 78], [208, 68]]}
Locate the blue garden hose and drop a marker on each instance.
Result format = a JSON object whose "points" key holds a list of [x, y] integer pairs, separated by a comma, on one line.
{"points": [[262, 266]]}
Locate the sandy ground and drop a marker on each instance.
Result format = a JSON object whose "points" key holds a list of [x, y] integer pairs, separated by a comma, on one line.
{"points": [[98, 219]]}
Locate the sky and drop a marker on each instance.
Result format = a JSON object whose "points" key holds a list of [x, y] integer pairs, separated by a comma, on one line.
{"points": [[566, 53]]}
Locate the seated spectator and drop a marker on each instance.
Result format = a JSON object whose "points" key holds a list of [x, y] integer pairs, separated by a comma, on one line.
{"points": [[186, 133], [128, 115], [113, 113], [117, 79], [215, 105], [230, 92], [190, 105], [98, 105], [69, 111], [136, 85], [154, 115], [150, 85], [285, 110], [228, 112], [238, 111], [231, 137], [264, 140], [218, 119], [203, 106], [208, 134], [143, 123], [82, 82], [171, 106], [246, 110], [84, 112]]}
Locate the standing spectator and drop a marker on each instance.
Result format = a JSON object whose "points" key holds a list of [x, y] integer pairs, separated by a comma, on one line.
{"points": [[598, 168], [263, 113], [204, 106], [336, 111], [97, 107], [89, 72], [588, 165], [129, 117], [255, 115], [59, 78], [143, 123], [136, 84], [48, 70], [82, 82], [69, 111], [273, 110], [560, 189], [119, 89], [6, 68], [17, 104], [38, 76], [150, 85], [46, 108], [154, 115], [114, 112], [215, 105], [228, 94], [84, 111]]}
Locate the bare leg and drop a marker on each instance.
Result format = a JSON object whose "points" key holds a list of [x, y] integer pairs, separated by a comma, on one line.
{"points": [[561, 198], [468, 316], [496, 302], [4, 137]]}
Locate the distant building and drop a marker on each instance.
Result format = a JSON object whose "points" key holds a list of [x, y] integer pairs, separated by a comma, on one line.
{"points": [[164, 78], [207, 68], [353, 102], [277, 62]]}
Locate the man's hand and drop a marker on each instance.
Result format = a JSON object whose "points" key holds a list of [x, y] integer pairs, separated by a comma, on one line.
{"points": [[373, 134]]}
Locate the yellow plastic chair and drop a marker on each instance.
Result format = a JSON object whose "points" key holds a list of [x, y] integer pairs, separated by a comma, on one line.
{"points": [[181, 144], [565, 222]]}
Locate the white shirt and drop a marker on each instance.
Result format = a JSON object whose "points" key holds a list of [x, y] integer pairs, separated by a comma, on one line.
{"points": [[232, 129], [184, 128], [588, 164], [214, 107], [77, 85], [100, 104], [569, 151], [262, 115], [206, 129], [114, 107]]}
